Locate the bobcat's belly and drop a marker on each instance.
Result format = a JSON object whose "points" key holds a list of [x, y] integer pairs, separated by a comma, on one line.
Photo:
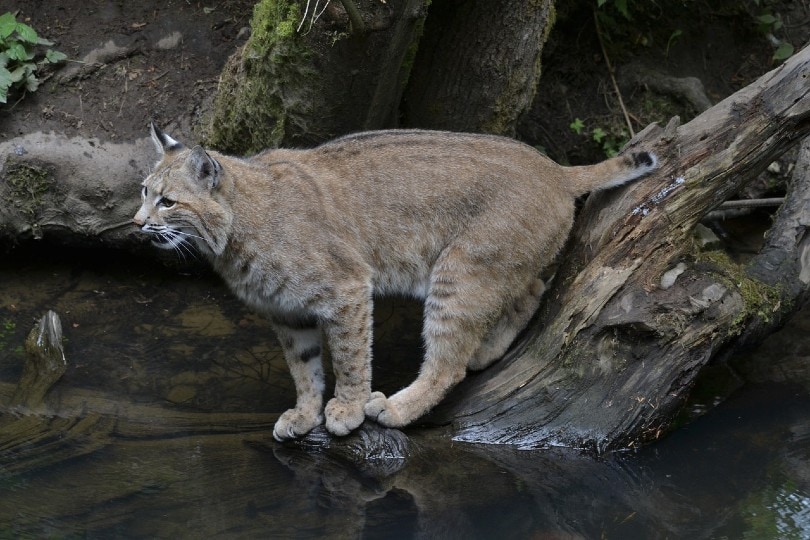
{"points": [[415, 284], [270, 295]]}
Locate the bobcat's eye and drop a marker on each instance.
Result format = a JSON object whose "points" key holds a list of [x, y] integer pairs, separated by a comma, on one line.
{"points": [[165, 203], [144, 192]]}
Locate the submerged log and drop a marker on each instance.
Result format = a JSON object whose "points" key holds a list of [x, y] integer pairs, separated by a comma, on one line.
{"points": [[36, 434], [45, 362]]}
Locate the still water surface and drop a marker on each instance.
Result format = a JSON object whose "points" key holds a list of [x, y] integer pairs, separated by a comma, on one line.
{"points": [[146, 344]]}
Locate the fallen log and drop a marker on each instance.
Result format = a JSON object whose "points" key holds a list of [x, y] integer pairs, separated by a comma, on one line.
{"points": [[635, 311]]}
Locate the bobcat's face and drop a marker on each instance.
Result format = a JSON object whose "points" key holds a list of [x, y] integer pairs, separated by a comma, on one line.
{"points": [[179, 202]]}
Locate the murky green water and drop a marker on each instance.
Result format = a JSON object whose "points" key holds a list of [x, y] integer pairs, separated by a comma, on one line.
{"points": [[150, 347]]}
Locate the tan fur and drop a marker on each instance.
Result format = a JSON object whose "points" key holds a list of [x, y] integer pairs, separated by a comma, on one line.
{"points": [[306, 237]]}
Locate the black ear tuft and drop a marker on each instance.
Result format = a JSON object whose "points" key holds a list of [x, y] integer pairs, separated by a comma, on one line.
{"points": [[163, 142]]}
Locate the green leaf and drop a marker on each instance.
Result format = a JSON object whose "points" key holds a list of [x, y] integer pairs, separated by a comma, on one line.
{"points": [[26, 33], [31, 83], [44, 42], [598, 134], [784, 51], [767, 19], [17, 52], [621, 6], [5, 83], [577, 126], [8, 23], [18, 74], [54, 57]]}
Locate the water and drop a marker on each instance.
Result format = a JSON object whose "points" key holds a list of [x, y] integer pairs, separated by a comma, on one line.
{"points": [[152, 348]]}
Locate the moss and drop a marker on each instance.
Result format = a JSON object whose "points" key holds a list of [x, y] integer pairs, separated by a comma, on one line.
{"points": [[263, 88], [760, 299], [27, 184]]}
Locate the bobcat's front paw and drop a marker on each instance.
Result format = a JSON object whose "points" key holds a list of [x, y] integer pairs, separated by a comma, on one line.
{"points": [[342, 417], [295, 423], [383, 411]]}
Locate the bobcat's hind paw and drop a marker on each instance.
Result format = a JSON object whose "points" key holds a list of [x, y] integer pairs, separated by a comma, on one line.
{"points": [[295, 423], [380, 409], [343, 417]]}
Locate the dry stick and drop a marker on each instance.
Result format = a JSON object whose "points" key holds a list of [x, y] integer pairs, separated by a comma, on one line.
{"points": [[753, 203], [612, 76]]}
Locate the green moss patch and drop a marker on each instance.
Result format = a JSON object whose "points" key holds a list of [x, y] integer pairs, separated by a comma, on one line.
{"points": [[26, 185], [261, 88], [760, 299]]}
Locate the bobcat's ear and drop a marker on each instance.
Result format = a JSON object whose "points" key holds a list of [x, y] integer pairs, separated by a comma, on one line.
{"points": [[163, 143], [203, 168]]}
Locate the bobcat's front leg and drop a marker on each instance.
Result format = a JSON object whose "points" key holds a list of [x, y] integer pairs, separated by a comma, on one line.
{"points": [[349, 337], [302, 350]]}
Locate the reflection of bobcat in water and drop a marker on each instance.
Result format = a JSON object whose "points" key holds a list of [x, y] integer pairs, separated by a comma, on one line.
{"points": [[306, 237]]}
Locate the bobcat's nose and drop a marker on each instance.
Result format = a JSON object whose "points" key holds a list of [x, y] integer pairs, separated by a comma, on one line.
{"points": [[140, 217]]}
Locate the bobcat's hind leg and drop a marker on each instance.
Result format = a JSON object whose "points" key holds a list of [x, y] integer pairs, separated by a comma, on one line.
{"points": [[302, 350], [513, 320], [462, 299]]}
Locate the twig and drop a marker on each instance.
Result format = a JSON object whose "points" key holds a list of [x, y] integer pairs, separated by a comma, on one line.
{"points": [[739, 208], [753, 203], [612, 76], [160, 76], [315, 14], [124, 97]]}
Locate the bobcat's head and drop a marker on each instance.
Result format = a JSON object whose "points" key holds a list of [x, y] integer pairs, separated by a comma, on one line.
{"points": [[181, 199]]}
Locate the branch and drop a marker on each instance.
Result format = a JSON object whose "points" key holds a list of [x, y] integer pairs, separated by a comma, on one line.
{"points": [[358, 26]]}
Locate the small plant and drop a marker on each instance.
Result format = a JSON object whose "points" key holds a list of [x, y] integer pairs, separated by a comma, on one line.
{"points": [[6, 330], [768, 25], [19, 60], [620, 5], [610, 140]]}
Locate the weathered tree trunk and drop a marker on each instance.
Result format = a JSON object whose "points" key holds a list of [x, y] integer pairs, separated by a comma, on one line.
{"points": [[478, 65], [616, 347], [306, 75]]}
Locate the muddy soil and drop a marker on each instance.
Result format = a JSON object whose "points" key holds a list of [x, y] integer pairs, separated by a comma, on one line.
{"points": [[161, 60]]}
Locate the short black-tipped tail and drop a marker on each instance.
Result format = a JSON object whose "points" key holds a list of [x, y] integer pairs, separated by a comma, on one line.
{"points": [[612, 172]]}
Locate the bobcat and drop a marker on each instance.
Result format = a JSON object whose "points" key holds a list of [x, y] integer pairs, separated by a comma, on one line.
{"points": [[306, 237]]}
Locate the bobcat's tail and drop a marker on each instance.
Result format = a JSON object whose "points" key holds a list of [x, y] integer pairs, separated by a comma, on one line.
{"points": [[610, 173]]}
